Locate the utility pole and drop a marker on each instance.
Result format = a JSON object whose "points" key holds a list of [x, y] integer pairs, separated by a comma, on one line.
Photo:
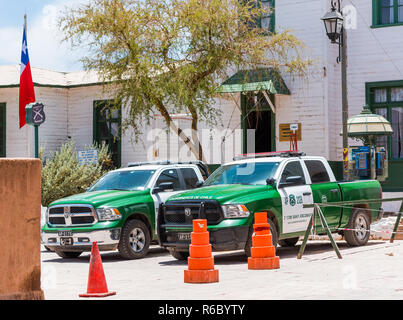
{"points": [[344, 102]]}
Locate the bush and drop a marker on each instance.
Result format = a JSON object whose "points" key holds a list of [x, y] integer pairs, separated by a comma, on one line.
{"points": [[63, 176]]}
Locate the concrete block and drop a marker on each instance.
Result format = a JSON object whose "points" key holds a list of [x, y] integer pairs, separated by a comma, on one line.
{"points": [[20, 216]]}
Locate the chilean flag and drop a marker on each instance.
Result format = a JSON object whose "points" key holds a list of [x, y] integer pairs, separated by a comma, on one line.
{"points": [[27, 94]]}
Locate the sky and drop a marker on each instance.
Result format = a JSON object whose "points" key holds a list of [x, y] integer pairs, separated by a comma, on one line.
{"points": [[44, 38]]}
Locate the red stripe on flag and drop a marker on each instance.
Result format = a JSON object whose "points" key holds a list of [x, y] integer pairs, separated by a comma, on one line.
{"points": [[27, 94]]}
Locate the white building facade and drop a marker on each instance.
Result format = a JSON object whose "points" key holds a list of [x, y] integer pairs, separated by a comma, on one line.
{"points": [[375, 77]]}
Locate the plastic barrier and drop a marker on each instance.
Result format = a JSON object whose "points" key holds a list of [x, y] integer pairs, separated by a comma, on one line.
{"points": [[201, 261], [263, 253], [97, 287]]}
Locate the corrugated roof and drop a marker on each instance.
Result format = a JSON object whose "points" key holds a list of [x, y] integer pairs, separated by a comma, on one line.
{"points": [[10, 76]]}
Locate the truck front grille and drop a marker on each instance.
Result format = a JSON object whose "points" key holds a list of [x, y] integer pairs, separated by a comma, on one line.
{"points": [[72, 215], [183, 212]]}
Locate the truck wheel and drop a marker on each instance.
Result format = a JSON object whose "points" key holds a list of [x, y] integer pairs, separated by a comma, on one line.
{"points": [[179, 255], [273, 232], [68, 254], [359, 220], [135, 240], [288, 242]]}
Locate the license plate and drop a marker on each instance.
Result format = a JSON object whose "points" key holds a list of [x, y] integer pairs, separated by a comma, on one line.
{"points": [[184, 236], [66, 241], [65, 233]]}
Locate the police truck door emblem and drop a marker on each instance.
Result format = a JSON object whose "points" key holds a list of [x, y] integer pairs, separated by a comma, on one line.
{"points": [[188, 212], [292, 200]]}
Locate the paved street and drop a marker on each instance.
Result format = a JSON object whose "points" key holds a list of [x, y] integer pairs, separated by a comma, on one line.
{"points": [[369, 272]]}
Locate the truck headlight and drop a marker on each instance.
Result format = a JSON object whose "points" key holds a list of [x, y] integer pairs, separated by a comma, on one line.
{"points": [[235, 211], [107, 214]]}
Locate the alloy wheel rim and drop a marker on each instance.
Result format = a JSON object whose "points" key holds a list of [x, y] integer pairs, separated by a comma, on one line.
{"points": [[361, 227], [137, 239]]}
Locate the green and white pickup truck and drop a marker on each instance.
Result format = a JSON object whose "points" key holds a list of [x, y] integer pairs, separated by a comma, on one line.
{"points": [[119, 210], [280, 185]]}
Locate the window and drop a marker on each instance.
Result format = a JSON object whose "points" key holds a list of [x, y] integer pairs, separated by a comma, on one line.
{"points": [[190, 178], [107, 128], [292, 169], [243, 173], [317, 171], [267, 21], [387, 101], [170, 175], [387, 12], [2, 129], [123, 180]]}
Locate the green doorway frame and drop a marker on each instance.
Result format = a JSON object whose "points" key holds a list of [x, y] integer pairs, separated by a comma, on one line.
{"points": [[99, 105], [244, 112]]}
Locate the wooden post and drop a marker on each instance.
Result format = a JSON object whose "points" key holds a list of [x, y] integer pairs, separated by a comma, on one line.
{"points": [[334, 244], [399, 216], [307, 232]]}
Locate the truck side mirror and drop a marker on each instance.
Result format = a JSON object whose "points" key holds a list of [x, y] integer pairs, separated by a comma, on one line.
{"points": [[199, 184], [163, 187], [271, 182]]}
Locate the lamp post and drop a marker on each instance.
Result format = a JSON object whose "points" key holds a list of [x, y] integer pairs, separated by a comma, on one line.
{"points": [[333, 21]]}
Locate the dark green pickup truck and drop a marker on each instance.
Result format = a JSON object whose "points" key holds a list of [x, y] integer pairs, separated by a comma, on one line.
{"points": [[279, 185]]}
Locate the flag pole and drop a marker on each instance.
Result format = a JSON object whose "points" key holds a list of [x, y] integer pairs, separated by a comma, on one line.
{"points": [[36, 127]]}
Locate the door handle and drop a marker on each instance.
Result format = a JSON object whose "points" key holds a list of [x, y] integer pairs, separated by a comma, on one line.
{"points": [[307, 193], [334, 190]]}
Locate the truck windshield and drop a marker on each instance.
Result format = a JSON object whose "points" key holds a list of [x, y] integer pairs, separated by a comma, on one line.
{"points": [[123, 180], [244, 173]]}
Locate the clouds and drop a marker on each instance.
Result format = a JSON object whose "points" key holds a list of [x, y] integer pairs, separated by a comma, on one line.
{"points": [[44, 40]]}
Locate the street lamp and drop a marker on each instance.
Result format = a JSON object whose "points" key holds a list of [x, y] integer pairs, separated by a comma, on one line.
{"points": [[333, 21], [333, 24]]}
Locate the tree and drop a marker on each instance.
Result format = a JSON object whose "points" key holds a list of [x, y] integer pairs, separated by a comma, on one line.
{"points": [[171, 56]]}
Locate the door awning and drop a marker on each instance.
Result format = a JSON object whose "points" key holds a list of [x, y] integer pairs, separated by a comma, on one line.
{"points": [[255, 80]]}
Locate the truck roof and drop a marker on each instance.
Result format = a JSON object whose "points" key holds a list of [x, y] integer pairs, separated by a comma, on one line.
{"points": [[155, 166], [274, 159]]}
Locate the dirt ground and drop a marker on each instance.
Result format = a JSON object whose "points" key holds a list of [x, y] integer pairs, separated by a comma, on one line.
{"points": [[369, 272]]}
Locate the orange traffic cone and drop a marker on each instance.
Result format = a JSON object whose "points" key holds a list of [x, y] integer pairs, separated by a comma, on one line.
{"points": [[97, 287], [263, 253], [201, 261]]}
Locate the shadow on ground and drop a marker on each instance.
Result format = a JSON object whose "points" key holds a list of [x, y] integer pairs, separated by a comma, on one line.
{"points": [[111, 256], [313, 248], [225, 258]]}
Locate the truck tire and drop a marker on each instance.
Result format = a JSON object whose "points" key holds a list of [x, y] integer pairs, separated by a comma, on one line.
{"points": [[273, 231], [359, 220], [288, 242], [68, 254], [134, 241], [179, 255]]}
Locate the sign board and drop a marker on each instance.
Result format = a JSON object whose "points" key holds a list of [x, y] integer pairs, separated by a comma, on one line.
{"points": [[294, 126], [87, 156], [285, 129], [35, 115]]}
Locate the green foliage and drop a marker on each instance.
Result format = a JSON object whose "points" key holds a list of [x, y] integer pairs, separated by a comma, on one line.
{"points": [[63, 176], [171, 56]]}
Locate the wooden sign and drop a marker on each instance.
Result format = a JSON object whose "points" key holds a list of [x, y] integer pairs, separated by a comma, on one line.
{"points": [[285, 130]]}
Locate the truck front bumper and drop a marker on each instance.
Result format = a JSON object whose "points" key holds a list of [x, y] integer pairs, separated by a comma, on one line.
{"points": [[224, 239], [82, 241]]}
